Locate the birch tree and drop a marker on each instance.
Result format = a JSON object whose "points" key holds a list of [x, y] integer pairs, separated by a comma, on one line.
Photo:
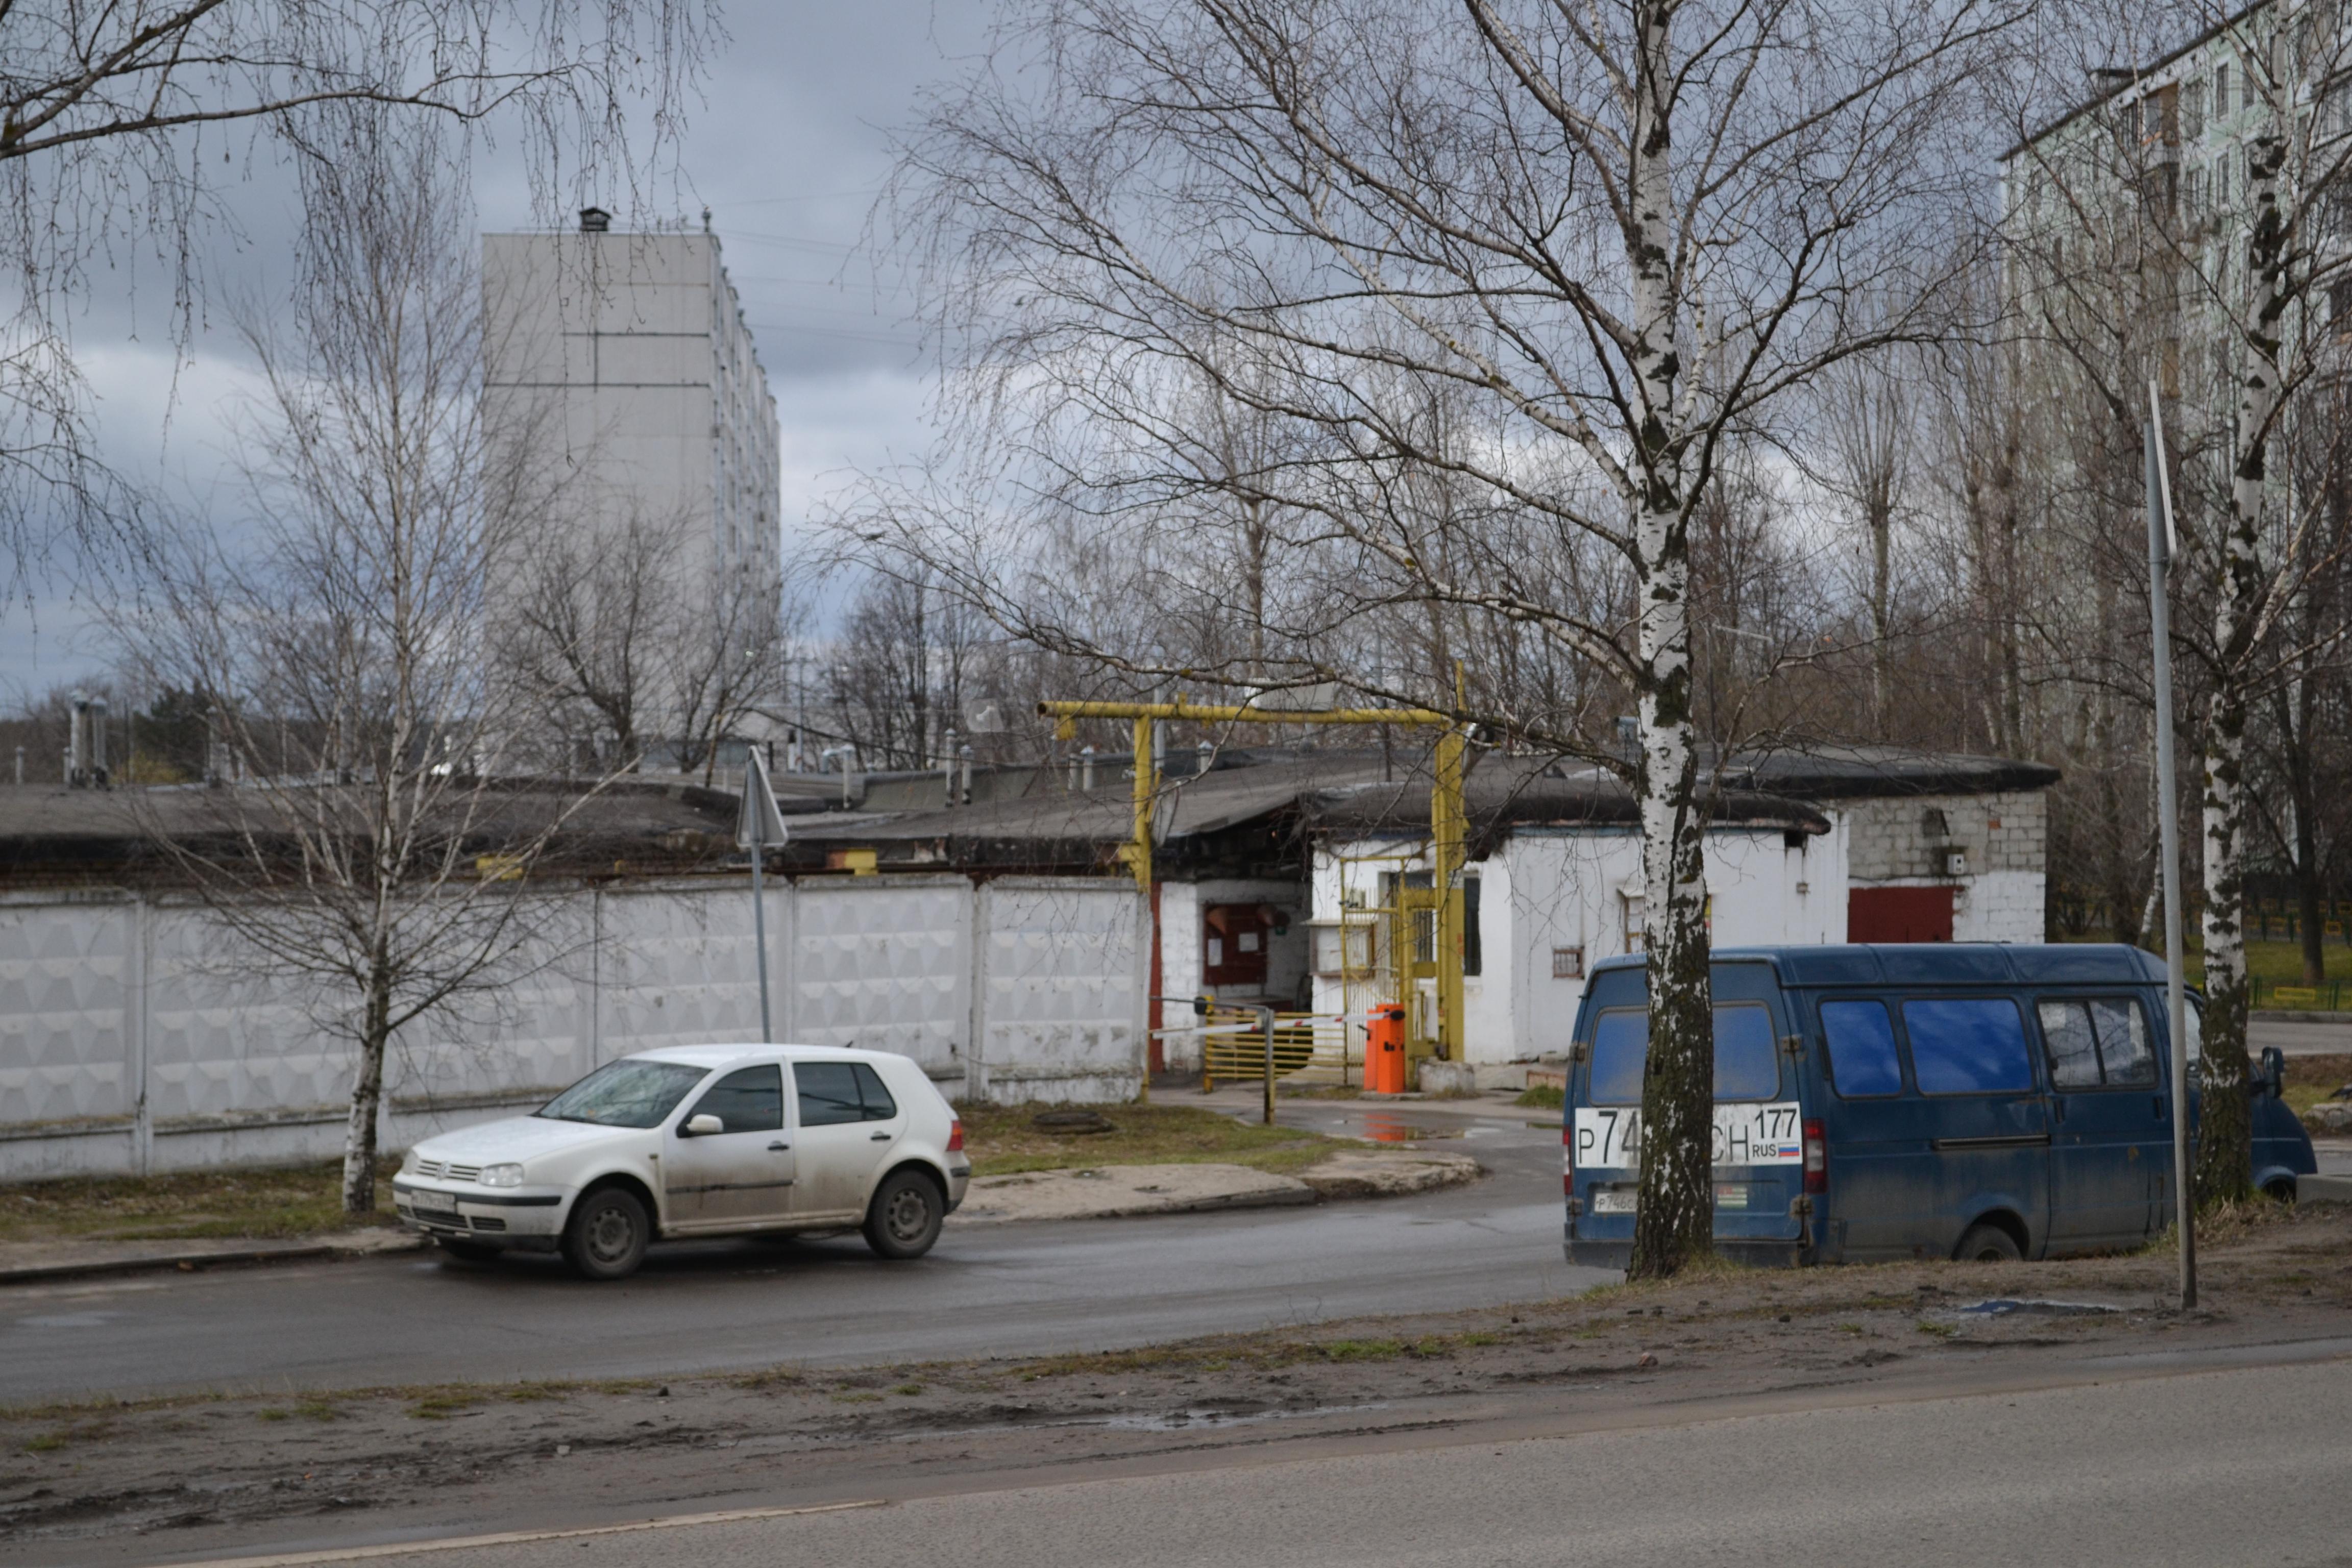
{"points": [[336, 636], [1614, 237]]}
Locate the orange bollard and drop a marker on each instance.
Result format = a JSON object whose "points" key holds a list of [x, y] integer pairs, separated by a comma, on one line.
{"points": [[1384, 1051]]}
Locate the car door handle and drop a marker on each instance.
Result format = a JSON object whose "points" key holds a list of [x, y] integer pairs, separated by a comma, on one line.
{"points": [[880, 1137], [778, 1147]]}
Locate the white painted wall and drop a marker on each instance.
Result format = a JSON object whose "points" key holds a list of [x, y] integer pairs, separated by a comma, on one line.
{"points": [[1562, 888]]}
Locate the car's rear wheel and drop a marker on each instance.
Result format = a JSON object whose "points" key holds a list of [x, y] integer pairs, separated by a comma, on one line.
{"points": [[468, 1251], [1988, 1244], [606, 1237], [904, 1218]]}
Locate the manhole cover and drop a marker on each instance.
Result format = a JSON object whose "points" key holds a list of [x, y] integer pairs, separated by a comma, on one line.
{"points": [[1072, 1124]]}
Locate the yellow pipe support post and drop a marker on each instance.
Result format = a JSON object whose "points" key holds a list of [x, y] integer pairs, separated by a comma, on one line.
{"points": [[1446, 827], [1138, 854]]}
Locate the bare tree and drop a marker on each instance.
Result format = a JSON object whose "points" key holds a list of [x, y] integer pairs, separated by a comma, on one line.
{"points": [[2218, 186], [116, 121], [1615, 236], [337, 640]]}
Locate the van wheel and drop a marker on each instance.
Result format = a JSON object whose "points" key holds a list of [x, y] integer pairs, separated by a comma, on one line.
{"points": [[1988, 1244], [2280, 1191], [904, 1218], [606, 1237], [468, 1251]]}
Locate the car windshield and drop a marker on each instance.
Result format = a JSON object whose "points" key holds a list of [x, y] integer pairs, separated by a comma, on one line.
{"points": [[627, 1093]]}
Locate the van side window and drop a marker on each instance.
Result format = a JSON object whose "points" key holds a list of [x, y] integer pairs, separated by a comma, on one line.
{"points": [[1973, 1045], [1862, 1049], [2103, 1040], [1745, 1065], [2073, 1048]]}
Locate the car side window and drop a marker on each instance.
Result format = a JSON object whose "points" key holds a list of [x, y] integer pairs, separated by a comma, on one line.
{"points": [[2071, 1045], [749, 1099], [1860, 1038], [828, 1094], [1967, 1044], [875, 1100]]}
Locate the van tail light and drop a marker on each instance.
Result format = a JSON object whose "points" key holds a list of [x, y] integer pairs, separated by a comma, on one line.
{"points": [[1568, 1162], [1817, 1159], [955, 1138]]}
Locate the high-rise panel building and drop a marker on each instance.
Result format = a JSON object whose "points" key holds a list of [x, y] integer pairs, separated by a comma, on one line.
{"points": [[624, 360]]}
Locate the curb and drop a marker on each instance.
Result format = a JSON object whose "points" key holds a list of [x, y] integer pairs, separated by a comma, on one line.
{"points": [[194, 1260], [2274, 1016]]}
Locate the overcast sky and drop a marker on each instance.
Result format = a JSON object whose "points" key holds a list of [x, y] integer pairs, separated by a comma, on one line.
{"points": [[788, 152]]}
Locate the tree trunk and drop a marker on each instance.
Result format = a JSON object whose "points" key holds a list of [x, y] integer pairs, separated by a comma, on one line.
{"points": [[1882, 530], [2224, 1136], [1675, 1211], [367, 1094]]}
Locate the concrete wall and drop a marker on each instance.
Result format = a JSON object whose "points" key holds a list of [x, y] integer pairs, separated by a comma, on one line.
{"points": [[132, 1037]]}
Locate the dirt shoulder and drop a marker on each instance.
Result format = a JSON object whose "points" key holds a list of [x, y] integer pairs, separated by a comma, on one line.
{"points": [[139, 1481]]}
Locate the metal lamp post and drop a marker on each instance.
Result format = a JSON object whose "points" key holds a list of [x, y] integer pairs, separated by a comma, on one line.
{"points": [[2163, 542]]}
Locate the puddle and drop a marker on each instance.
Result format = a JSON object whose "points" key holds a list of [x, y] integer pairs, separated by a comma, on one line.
{"points": [[1382, 1127], [2003, 1306]]}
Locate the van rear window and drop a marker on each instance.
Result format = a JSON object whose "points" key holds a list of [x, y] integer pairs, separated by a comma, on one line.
{"points": [[1746, 1066], [1973, 1045], [1862, 1049]]}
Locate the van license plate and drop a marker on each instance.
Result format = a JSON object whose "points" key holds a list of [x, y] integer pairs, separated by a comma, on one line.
{"points": [[1618, 1200]]}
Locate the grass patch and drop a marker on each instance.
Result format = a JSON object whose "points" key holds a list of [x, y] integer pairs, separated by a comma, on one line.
{"points": [[1542, 1097], [295, 1200], [46, 1443], [442, 1403], [1002, 1143], [2310, 1080], [909, 1389], [1937, 1331]]}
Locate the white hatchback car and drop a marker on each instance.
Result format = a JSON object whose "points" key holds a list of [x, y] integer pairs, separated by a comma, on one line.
{"points": [[699, 1141]]}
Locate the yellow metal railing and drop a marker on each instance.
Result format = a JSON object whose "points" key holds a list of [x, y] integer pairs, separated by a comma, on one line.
{"points": [[1309, 1048]]}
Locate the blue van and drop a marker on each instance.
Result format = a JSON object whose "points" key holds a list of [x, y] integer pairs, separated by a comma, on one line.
{"points": [[1937, 1101]]}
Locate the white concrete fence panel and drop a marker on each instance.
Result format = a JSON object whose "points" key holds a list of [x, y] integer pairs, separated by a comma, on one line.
{"points": [[132, 1040]]}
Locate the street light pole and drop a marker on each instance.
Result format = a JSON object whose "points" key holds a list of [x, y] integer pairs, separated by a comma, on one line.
{"points": [[2161, 545]]}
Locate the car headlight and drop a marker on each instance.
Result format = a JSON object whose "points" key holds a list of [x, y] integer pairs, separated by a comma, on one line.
{"points": [[502, 1175]]}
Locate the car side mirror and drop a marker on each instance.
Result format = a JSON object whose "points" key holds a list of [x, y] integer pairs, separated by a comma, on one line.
{"points": [[2275, 1071], [701, 1126]]}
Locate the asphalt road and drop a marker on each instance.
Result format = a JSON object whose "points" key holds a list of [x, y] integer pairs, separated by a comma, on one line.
{"points": [[2301, 1040], [2240, 1466], [992, 1289]]}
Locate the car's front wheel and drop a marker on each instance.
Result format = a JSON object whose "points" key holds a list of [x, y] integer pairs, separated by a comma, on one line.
{"points": [[606, 1237], [904, 1218]]}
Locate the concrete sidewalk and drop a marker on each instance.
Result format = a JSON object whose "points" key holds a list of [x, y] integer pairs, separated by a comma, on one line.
{"points": [[1112, 1192], [25, 1262]]}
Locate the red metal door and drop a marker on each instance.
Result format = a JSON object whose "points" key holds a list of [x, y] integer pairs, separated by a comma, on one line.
{"points": [[1898, 914]]}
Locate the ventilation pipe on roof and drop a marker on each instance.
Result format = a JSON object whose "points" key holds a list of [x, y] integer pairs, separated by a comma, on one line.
{"points": [[1087, 769]]}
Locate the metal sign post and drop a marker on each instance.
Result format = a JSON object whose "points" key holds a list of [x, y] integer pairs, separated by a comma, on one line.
{"points": [[757, 825], [2162, 543]]}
